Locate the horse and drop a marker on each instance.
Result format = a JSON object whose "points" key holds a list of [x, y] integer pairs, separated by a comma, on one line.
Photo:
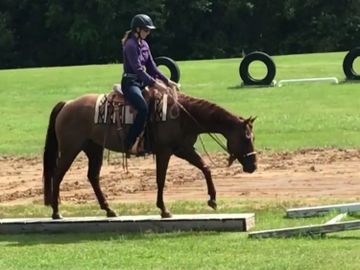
{"points": [[71, 129]]}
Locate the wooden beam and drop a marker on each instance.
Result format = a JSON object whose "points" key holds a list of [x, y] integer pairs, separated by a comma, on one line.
{"points": [[322, 210], [307, 230], [337, 218], [130, 224]]}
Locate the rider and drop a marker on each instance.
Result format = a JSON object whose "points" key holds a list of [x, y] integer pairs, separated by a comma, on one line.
{"points": [[139, 71]]}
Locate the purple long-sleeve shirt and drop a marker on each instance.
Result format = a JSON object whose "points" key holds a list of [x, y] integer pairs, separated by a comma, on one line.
{"points": [[138, 60]]}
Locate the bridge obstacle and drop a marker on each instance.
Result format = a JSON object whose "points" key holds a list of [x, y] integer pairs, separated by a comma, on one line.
{"points": [[130, 224], [330, 226]]}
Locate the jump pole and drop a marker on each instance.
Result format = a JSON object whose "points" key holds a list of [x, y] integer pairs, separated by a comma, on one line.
{"points": [[330, 79]]}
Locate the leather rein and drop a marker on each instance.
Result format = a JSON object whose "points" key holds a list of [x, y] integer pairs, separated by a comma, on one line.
{"points": [[213, 136]]}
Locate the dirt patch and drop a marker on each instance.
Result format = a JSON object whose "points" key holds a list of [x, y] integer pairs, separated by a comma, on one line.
{"points": [[303, 174]]}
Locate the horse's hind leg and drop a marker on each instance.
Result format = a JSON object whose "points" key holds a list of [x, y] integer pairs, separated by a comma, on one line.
{"points": [[195, 159], [63, 164], [94, 152]]}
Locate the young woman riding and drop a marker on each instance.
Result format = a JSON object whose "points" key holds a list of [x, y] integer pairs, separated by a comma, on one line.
{"points": [[139, 71]]}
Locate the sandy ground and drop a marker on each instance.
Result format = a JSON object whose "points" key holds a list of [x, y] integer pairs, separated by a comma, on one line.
{"points": [[307, 174]]}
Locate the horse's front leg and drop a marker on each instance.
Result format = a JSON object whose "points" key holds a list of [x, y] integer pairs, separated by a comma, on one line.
{"points": [[94, 153], [162, 162], [195, 159]]}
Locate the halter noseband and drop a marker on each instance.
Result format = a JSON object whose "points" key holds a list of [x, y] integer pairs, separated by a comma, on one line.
{"points": [[249, 154], [244, 155]]}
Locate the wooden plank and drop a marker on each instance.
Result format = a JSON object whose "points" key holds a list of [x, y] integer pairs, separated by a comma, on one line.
{"points": [[130, 224], [322, 210], [337, 218], [308, 230]]}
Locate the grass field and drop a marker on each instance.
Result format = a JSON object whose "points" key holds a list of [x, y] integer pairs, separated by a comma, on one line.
{"points": [[291, 117], [197, 250]]}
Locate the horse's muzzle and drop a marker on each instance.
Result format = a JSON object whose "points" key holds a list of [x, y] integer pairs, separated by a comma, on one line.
{"points": [[249, 162], [250, 168]]}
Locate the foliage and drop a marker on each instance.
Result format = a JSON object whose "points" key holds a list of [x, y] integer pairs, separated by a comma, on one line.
{"points": [[64, 32]]}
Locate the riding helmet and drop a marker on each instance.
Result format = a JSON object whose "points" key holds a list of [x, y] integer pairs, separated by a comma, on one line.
{"points": [[142, 21]]}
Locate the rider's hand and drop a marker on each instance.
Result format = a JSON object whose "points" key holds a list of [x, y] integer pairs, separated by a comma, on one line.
{"points": [[160, 86], [173, 84]]}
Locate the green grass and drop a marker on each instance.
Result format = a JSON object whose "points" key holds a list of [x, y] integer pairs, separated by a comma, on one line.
{"points": [[291, 117], [177, 251], [180, 250]]}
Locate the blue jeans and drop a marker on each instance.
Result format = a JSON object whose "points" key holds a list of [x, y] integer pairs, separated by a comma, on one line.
{"points": [[132, 92]]}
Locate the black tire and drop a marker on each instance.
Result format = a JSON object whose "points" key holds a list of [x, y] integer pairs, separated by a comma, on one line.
{"points": [[257, 56], [349, 62], [171, 65]]}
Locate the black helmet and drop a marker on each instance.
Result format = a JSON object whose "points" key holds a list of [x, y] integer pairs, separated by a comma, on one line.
{"points": [[142, 21]]}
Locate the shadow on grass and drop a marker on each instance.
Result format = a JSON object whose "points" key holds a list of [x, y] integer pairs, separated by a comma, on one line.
{"points": [[18, 240], [241, 87], [249, 87], [344, 237], [355, 215]]}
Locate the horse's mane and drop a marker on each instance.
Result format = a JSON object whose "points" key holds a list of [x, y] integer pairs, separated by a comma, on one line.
{"points": [[204, 110]]}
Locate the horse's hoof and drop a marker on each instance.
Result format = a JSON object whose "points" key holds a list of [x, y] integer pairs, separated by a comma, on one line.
{"points": [[111, 213], [166, 214], [212, 204], [56, 216]]}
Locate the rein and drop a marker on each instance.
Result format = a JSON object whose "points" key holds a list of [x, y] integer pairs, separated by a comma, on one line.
{"points": [[213, 136]]}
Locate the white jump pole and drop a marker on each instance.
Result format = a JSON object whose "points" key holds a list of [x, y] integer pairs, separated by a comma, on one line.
{"points": [[330, 79]]}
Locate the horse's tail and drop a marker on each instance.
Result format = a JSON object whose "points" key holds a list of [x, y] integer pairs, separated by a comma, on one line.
{"points": [[50, 154]]}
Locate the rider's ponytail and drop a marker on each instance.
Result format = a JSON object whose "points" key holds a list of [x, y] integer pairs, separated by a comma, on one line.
{"points": [[126, 37]]}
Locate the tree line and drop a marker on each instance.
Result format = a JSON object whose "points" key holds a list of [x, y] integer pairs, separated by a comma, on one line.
{"points": [[73, 32]]}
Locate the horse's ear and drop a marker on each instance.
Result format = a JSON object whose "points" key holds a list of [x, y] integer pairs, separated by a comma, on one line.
{"points": [[246, 121], [252, 119], [249, 120]]}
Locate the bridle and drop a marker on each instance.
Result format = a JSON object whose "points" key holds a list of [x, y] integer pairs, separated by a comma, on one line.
{"points": [[249, 154]]}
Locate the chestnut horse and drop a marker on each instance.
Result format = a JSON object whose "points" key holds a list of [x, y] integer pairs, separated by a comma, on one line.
{"points": [[72, 130]]}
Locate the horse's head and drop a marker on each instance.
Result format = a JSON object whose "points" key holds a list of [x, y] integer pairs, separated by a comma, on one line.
{"points": [[240, 145]]}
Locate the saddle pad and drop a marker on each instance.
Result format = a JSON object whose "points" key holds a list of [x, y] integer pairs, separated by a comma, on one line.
{"points": [[100, 110], [106, 114]]}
